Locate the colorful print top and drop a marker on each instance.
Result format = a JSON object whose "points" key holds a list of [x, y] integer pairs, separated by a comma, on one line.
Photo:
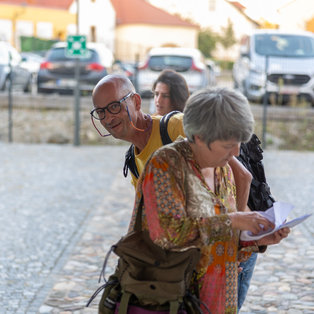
{"points": [[180, 211]]}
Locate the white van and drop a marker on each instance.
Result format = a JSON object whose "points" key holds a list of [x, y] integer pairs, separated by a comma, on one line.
{"points": [[290, 65]]}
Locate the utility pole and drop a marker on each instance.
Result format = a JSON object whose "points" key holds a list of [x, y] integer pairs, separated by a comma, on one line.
{"points": [[10, 100], [77, 86]]}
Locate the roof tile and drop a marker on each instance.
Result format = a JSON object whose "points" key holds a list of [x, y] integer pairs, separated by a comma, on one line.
{"points": [[142, 12], [54, 4]]}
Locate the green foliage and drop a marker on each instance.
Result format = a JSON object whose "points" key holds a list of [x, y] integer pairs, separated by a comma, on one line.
{"points": [[207, 40], [227, 39], [225, 64], [29, 43]]}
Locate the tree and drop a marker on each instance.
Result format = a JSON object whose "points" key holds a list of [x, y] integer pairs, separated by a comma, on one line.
{"points": [[227, 39], [207, 40]]}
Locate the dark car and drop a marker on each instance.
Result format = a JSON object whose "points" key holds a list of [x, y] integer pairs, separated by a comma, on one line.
{"points": [[11, 62], [57, 71]]}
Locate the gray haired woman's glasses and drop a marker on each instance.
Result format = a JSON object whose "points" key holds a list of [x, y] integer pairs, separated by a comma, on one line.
{"points": [[113, 108]]}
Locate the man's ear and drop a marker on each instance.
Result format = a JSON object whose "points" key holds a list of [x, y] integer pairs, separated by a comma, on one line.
{"points": [[138, 101]]}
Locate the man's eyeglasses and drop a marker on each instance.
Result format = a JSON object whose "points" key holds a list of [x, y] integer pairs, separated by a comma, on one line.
{"points": [[113, 108]]}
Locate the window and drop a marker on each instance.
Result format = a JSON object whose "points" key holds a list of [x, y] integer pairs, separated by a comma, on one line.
{"points": [[284, 45], [212, 5]]}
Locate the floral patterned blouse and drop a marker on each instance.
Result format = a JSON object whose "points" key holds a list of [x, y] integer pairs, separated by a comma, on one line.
{"points": [[180, 211]]}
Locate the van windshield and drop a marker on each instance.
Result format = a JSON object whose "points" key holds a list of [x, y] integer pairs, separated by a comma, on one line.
{"points": [[284, 45]]}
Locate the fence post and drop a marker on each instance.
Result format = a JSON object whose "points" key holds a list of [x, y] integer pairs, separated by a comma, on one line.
{"points": [[137, 57], [265, 101], [10, 102], [77, 103]]}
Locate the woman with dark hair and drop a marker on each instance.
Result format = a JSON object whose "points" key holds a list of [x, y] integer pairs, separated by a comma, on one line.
{"points": [[170, 92]]}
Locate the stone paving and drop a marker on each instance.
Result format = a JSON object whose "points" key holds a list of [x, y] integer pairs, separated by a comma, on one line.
{"points": [[58, 220]]}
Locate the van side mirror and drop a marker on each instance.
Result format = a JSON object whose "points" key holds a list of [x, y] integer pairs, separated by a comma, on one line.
{"points": [[244, 52], [245, 55]]}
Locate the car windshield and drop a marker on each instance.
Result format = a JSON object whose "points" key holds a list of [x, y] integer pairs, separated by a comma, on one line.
{"points": [[59, 54], [284, 45], [178, 63]]}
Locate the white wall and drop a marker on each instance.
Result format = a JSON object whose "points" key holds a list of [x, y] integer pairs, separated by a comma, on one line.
{"points": [[5, 30], [44, 30], [133, 40], [101, 15]]}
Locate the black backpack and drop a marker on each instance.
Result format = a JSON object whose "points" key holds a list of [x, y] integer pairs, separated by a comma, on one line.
{"points": [[129, 162], [251, 155]]}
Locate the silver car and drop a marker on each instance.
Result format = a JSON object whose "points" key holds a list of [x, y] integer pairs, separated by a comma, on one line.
{"points": [[285, 58], [187, 61], [11, 62]]}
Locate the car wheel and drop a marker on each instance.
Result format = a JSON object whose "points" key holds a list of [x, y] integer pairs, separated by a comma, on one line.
{"points": [[28, 86], [43, 91], [6, 84]]}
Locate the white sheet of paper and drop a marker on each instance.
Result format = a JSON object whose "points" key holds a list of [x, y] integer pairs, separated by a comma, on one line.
{"points": [[277, 214]]}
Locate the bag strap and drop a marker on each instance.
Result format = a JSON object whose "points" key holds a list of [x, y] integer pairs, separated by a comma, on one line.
{"points": [[163, 127], [129, 161], [174, 307], [138, 219], [124, 303]]}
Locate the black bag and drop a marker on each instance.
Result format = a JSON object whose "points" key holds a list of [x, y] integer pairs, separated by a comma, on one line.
{"points": [[149, 277], [251, 155], [129, 162]]}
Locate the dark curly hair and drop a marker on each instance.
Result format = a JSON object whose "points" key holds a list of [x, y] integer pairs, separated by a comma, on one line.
{"points": [[178, 88]]}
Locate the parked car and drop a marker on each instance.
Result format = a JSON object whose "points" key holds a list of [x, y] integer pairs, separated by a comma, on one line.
{"points": [[31, 61], [57, 71], [214, 71], [124, 68], [290, 66], [11, 60], [187, 61]]}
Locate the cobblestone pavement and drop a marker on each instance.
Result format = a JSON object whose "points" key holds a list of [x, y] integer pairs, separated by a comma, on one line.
{"points": [[63, 206]]}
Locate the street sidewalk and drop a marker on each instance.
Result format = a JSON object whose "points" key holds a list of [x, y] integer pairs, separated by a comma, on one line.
{"points": [[62, 207], [283, 280]]}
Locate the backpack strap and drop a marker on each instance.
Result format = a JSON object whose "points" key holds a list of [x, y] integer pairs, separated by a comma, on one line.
{"points": [[129, 161], [174, 307], [163, 127], [124, 303]]}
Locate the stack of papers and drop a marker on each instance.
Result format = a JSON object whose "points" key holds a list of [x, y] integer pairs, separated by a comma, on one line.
{"points": [[278, 215]]}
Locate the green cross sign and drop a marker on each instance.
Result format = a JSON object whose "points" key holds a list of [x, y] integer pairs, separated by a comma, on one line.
{"points": [[76, 46]]}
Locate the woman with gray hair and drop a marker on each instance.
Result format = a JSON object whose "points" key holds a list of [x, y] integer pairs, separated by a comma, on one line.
{"points": [[189, 195]]}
